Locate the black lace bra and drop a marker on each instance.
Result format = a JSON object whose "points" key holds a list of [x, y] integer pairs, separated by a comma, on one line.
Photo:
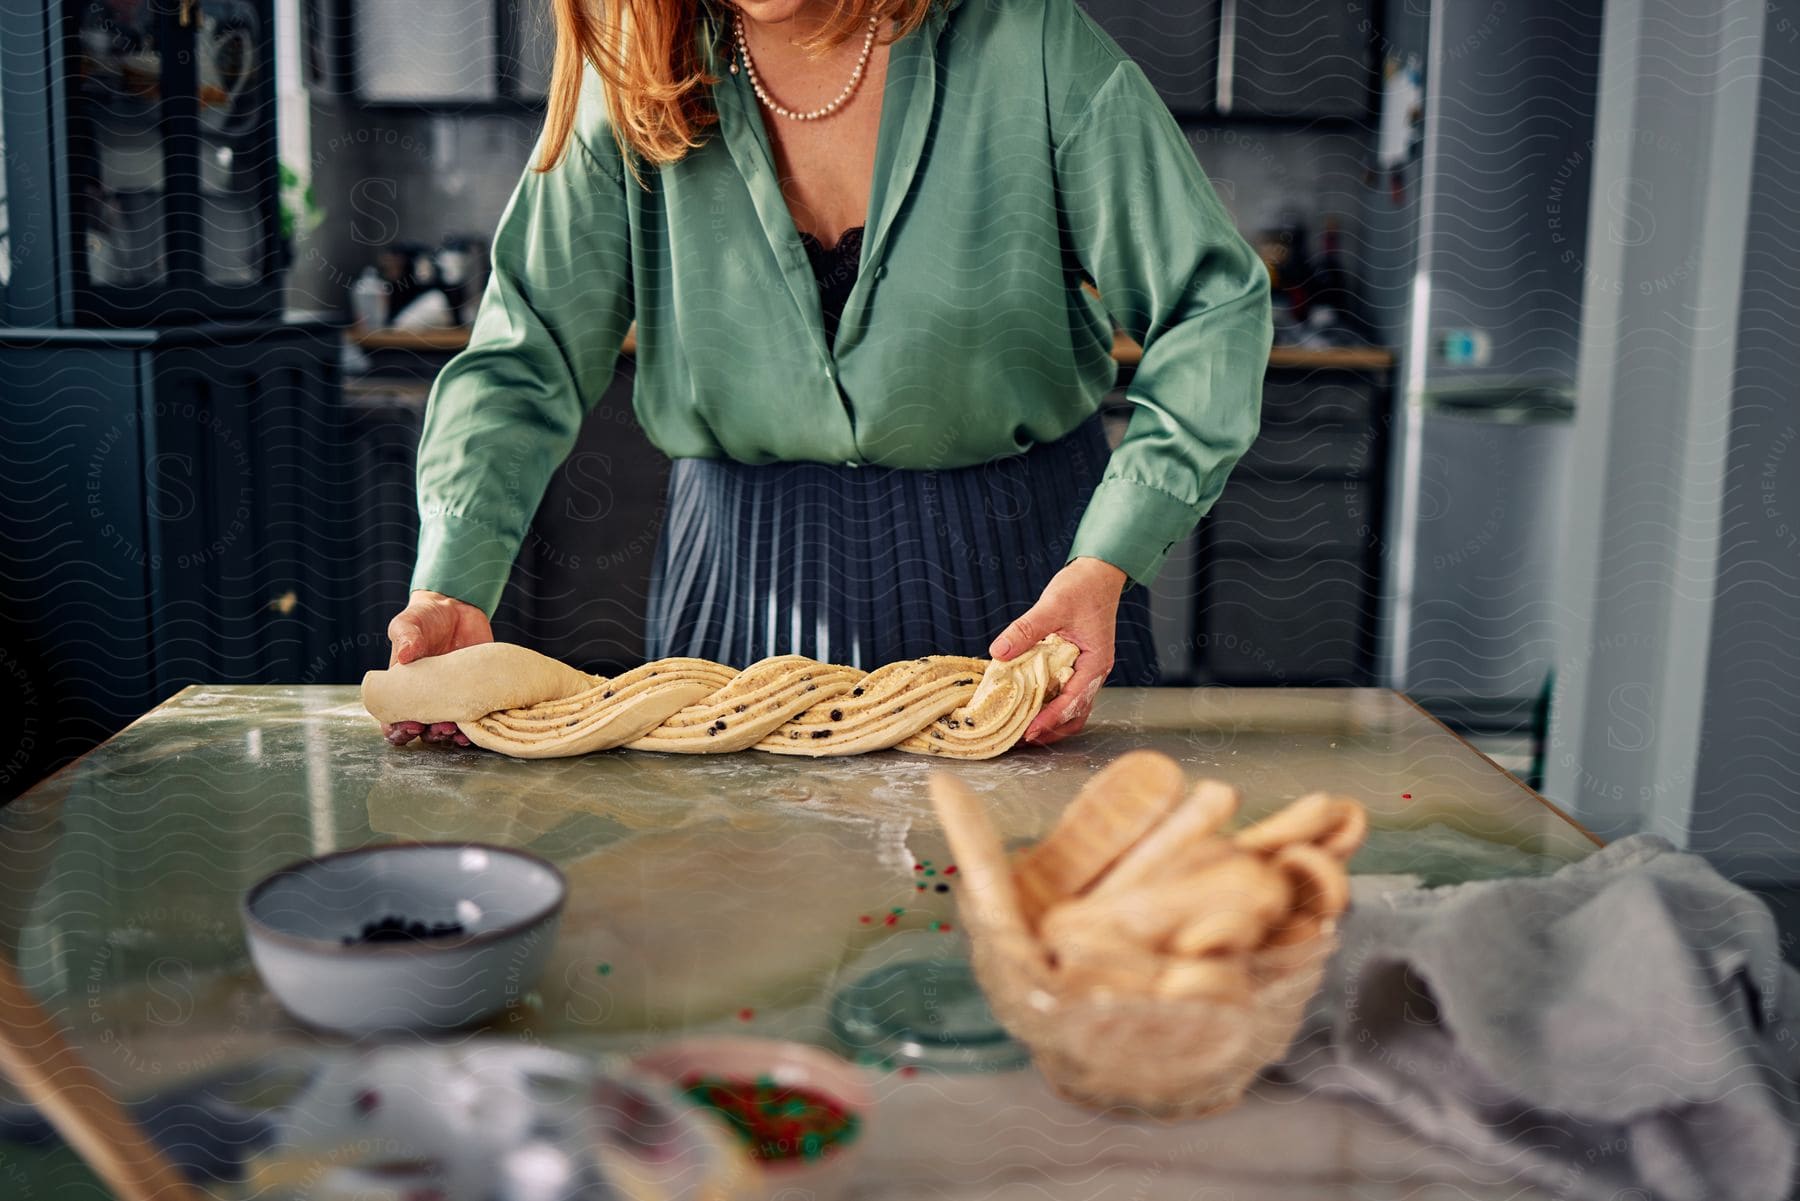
{"points": [[834, 268]]}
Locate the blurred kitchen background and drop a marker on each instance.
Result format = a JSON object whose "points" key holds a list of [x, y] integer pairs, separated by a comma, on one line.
{"points": [[1527, 428]]}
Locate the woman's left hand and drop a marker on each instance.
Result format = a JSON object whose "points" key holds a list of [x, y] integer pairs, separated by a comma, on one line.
{"points": [[1081, 603]]}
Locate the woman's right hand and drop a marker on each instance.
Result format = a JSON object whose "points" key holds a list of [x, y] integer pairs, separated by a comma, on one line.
{"points": [[432, 624]]}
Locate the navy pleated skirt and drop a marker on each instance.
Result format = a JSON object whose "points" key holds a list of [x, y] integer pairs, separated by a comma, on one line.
{"points": [[867, 565]]}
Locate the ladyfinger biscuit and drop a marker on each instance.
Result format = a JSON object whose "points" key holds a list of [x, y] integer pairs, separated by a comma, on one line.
{"points": [[987, 897], [1336, 824], [1223, 978], [1221, 931], [1150, 916], [1242, 892], [1118, 805], [1082, 965], [1320, 889], [1180, 842], [1142, 918]]}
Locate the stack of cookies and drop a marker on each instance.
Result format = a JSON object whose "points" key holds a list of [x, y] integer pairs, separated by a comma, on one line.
{"points": [[1147, 955]]}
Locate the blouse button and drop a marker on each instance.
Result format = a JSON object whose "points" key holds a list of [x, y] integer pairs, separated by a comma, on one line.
{"points": [[880, 271]]}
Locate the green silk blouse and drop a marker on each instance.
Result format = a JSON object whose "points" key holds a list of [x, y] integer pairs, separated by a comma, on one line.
{"points": [[1019, 152]]}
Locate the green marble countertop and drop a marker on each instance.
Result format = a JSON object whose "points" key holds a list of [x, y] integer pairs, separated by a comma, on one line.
{"points": [[707, 892]]}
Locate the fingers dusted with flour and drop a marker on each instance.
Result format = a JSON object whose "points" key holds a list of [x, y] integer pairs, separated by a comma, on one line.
{"points": [[432, 624], [1081, 605]]}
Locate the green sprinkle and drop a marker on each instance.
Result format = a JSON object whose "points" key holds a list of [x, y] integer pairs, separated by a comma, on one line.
{"points": [[605, 969], [896, 912], [931, 871]]}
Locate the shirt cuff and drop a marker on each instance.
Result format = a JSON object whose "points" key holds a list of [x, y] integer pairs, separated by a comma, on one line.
{"points": [[464, 559], [1132, 526]]}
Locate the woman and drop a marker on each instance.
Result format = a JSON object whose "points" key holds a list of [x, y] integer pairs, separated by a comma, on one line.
{"points": [[853, 237]]}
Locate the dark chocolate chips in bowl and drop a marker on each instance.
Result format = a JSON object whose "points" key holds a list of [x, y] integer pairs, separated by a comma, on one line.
{"points": [[394, 928]]}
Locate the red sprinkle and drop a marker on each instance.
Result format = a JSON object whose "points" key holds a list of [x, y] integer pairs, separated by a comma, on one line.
{"points": [[1406, 796], [909, 1070], [945, 927], [951, 870], [745, 1015], [865, 919], [775, 1122], [918, 867], [889, 920]]}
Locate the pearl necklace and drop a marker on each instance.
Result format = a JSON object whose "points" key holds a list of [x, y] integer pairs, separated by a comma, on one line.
{"points": [[743, 53]]}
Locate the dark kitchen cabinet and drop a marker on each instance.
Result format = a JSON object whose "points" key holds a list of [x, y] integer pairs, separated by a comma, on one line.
{"points": [[581, 585], [426, 51], [181, 510], [432, 54], [143, 187], [1295, 58], [1256, 511], [1290, 555], [1285, 619], [1281, 582], [1176, 42], [453, 54], [584, 571], [529, 48]]}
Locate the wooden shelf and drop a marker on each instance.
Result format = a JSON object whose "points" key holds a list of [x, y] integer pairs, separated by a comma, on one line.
{"points": [[1357, 358], [449, 338], [1127, 352]]}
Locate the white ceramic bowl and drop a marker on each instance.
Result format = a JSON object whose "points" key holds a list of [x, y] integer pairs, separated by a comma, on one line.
{"points": [[492, 1117], [792, 1064], [508, 904]]}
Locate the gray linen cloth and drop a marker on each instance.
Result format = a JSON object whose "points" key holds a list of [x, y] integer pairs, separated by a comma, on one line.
{"points": [[1619, 1030]]}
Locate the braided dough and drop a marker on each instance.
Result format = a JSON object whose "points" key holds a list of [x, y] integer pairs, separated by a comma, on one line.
{"points": [[515, 701]]}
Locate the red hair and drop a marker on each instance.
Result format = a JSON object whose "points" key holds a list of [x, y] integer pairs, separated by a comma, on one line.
{"points": [[648, 54]]}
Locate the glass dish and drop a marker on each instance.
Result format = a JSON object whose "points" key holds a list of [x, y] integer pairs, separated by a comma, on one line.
{"points": [[923, 1013]]}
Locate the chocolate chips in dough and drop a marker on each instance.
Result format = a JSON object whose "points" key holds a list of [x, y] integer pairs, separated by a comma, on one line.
{"points": [[515, 701]]}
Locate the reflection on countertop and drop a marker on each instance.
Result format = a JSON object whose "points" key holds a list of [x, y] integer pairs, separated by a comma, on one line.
{"points": [[142, 848]]}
